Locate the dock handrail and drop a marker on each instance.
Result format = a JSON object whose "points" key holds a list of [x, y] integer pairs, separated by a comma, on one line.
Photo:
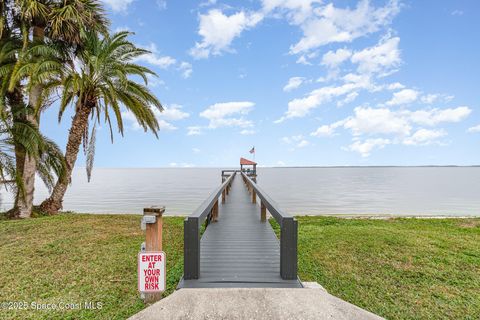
{"points": [[288, 229], [191, 228]]}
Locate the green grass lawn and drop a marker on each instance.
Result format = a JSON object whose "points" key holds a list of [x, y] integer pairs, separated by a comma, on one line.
{"points": [[397, 268], [76, 258]]}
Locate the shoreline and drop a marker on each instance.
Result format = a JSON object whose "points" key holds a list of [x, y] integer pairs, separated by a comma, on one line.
{"points": [[339, 216]]}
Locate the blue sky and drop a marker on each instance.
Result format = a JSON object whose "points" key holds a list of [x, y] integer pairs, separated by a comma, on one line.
{"points": [[306, 82]]}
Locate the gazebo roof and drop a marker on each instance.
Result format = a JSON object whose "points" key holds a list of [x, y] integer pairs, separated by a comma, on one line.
{"points": [[247, 162]]}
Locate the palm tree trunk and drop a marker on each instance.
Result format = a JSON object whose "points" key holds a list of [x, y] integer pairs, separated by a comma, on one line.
{"points": [[26, 164], [26, 167], [23, 204], [79, 124]]}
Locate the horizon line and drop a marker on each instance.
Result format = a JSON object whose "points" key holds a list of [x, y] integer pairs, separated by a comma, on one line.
{"points": [[294, 166]]}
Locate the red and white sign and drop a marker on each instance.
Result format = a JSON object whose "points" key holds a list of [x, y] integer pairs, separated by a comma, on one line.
{"points": [[151, 271]]}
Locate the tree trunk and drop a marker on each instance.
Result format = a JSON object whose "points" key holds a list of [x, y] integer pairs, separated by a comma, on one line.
{"points": [[79, 124], [26, 165]]}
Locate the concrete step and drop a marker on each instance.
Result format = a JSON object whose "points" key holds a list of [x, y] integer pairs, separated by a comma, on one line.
{"points": [[312, 302]]}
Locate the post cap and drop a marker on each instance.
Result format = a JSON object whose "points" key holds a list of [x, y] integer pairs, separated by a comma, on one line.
{"points": [[154, 210]]}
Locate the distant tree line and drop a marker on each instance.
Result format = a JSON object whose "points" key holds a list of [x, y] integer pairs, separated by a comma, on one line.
{"points": [[60, 53]]}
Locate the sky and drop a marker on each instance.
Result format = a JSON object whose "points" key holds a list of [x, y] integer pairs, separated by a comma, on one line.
{"points": [[307, 82]]}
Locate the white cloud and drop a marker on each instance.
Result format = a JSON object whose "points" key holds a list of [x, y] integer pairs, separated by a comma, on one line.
{"points": [[165, 125], [348, 99], [424, 137], [394, 86], [118, 5], [194, 131], [161, 4], [171, 113], [386, 126], [457, 13], [323, 131], [154, 58], [292, 139], [328, 24], [130, 117], [207, 3], [297, 11], [154, 81], [186, 69], [164, 61], [366, 147], [403, 97], [305, 58], [332, 59], [474, 129], [321, 24], [303, 144], [432, 98], [228, 114], [122, 28], [377, 121], [429, 98], [196, 150], [297, 141], [327, 130], [218, 31], [432, 117], [247, 132], [293, 83], [385, 121], [382, 58], [300, 107]]}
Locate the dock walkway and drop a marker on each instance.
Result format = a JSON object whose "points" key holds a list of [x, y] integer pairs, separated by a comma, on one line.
{"points": [[239, 250]]}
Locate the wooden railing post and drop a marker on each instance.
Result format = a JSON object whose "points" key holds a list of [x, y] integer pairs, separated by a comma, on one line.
{"points": [[215, 211], [254, 196], [191, 251], [154, 230], [153, 242], [263, 212], [288, 249], [224, 194]]}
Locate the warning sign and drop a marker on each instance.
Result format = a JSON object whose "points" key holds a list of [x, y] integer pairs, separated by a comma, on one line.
{"points": [[151, 271]]}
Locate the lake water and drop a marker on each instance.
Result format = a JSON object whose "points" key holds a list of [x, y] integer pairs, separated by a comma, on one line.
{"points": [[420, 191]]}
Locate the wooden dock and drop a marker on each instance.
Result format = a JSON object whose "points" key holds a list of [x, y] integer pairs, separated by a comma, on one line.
{"points": [[239, 249]]}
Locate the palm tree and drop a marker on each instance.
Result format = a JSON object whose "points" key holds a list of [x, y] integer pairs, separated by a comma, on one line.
{"points": [[49, 158], [63, 22], [19, 138], [50, 162], [99, 85]]}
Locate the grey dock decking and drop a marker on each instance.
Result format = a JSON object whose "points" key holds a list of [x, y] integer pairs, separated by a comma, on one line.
{"points": [[239, 250]]}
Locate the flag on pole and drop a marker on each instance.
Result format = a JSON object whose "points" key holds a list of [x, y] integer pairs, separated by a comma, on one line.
{"points": [[252, 150]]}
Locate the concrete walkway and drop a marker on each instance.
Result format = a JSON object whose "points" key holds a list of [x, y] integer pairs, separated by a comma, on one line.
{"points": [[254, 303]]}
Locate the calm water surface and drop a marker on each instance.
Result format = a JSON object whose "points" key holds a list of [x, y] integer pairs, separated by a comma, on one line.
{"points": [[314, 191]]}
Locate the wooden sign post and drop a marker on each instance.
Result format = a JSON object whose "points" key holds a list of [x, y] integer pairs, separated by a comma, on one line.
{"points": [[152, 218]]}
